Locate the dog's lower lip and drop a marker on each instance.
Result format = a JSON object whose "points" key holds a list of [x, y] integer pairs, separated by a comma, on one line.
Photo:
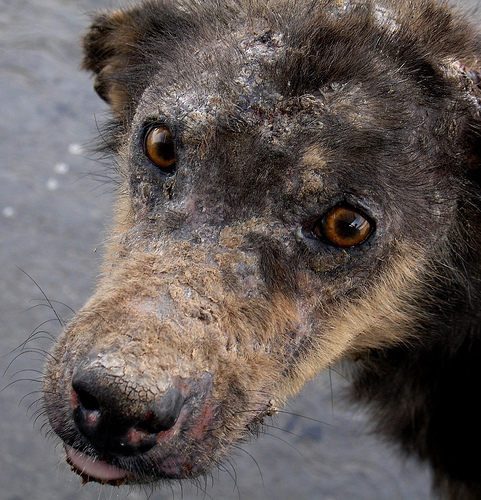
{"points": [[95, 470]]}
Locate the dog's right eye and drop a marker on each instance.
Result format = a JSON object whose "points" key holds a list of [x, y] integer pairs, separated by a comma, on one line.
{"points": [[159, 148]]}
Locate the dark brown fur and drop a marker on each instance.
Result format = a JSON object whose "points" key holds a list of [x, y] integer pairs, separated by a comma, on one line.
{"points": [[221, 294]]}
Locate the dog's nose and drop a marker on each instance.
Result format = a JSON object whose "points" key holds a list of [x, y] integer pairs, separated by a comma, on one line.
{"points": [[118, 420]]}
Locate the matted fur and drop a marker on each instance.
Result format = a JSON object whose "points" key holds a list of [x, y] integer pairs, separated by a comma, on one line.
{"points": [[216, 280]]}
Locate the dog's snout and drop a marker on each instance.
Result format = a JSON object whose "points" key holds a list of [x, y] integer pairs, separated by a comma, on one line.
{"points": [[112, 422]]}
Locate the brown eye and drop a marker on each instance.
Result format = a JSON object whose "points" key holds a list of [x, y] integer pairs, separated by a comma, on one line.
{"points": [[159, 148], [344, 227]]}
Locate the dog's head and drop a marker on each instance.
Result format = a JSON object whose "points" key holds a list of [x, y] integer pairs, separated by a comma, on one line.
{"points": [[292, 175]]}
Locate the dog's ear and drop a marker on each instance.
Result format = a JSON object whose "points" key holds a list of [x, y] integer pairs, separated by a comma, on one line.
{"points": [[125, 48], [110, 48]]}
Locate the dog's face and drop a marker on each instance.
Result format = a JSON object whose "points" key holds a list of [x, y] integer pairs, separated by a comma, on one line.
{"points": [[288, 179]]}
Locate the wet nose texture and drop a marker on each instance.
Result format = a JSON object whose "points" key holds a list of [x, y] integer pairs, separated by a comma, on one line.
{"points": [[116, 424]]}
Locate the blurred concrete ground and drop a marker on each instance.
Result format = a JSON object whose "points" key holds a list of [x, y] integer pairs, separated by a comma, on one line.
{"points": [[53, 215]]}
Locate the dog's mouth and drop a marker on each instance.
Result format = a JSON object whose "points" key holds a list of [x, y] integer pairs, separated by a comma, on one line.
{"points": [[174, 465], [91, 469]]}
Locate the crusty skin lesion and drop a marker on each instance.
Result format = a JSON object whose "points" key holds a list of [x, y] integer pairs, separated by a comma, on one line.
{"points": [[217, 274]]}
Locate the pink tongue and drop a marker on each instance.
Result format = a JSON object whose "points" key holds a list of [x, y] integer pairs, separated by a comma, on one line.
{"points": [[95, 470]]}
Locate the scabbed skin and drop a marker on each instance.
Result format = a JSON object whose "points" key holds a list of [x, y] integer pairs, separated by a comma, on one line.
{"points": [[222, 290]]}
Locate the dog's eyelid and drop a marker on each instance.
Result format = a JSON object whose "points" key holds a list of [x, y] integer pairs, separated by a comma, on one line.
{"points": [[159, 120]]}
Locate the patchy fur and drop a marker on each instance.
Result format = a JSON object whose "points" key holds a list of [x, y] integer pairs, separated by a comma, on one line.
{"points": [[228, 283]]}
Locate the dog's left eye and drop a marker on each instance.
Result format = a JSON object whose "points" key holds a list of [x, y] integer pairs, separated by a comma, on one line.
{"points": [[343, 226], [159, 148]]}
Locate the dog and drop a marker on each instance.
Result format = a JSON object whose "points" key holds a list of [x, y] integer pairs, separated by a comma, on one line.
{"points": [[299, 185]]}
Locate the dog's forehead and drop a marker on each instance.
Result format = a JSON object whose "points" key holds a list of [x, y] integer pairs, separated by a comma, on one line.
{"points": [[231, 74], [232, 84], [234, 74]]}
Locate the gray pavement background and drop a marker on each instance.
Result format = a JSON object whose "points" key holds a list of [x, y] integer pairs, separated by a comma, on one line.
{"points": [[53, 215]]}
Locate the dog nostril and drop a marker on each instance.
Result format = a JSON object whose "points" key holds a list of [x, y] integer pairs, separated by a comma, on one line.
{"points": [[166, 411], [88, 401]]}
